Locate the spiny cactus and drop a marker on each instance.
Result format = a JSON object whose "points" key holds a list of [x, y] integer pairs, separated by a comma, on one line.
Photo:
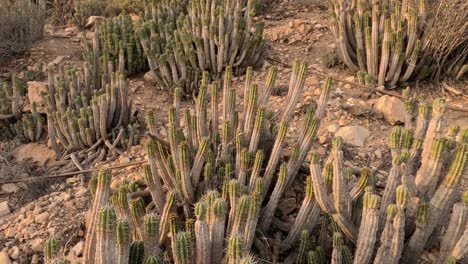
{"points": [[433, 185], [380, 39], [30, 127], [115, 43], [83, 117], [10, 105], [181, 41], [211, 168], [220, 203]]}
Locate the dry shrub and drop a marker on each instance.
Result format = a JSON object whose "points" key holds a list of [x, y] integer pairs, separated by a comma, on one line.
{"points": [[446, 38], [21, 23]]}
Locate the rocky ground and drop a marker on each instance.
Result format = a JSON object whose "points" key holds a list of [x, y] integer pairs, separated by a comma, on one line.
{"points": [[31, 212]]}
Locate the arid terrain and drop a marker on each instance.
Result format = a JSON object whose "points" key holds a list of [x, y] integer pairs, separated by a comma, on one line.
{"points": [[32, 211]]}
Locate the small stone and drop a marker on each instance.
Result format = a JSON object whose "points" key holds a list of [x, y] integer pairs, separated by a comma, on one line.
{"points": [[354, 135], [10, 188], [10, 232], [4, 209], [149, 77], [81, 192], [333, 128], [42, 218], [4, 258], [287, 206], [78, 249], [35, 259], [36, 153], [392, 109], [14, 252], [36, 245], [378, 153]]}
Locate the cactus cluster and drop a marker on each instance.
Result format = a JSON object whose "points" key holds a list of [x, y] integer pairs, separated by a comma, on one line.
{"points": [[183, 40], [12, 121], [380, 40], [116, 42], [82, 117], [210, 180], [214, 188]]}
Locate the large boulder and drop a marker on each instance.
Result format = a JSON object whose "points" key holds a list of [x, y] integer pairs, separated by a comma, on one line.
{"points": [[392, 109], [37, 153], [353, 135]]}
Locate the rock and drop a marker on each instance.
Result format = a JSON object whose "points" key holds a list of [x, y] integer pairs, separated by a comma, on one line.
{"points": [[56, 62], [35, 259], [92, 20], [78, 249], [14, 252], [391, 108], [10, 188], [10, 232], [36, 245], [4, 210], [333, 128], [354, 135], [81, 192], [4, 258], [35, 89], [149, 77], [42, 218], [36, 153]]}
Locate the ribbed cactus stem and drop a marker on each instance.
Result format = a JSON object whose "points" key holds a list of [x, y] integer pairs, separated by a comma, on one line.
{"points": [[181, 252], [153, 180], [100, 199], [270, 208], [151, 234], [455, 229], [202, 234], [235, 250], [217, 229], [106, 236], [123, 240], [309, 212], [383, 253], [337, 254], [137, 252], [367, 231], [439, 203]]}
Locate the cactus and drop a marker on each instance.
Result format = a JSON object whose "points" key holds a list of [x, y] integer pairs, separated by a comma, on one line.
{"points": [[83, 119], [219, 205], [183, 40], [380, 40], [51, 250], [116, 45]]}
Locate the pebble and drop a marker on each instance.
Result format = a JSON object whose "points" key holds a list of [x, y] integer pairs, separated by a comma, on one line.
{"points": [[4, 208], [354, 135]]}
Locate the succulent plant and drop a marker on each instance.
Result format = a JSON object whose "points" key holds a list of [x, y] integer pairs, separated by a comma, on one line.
{"points": [[380, 39], [82, 118], [221, 182], [184, 40], [115, 46]]}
